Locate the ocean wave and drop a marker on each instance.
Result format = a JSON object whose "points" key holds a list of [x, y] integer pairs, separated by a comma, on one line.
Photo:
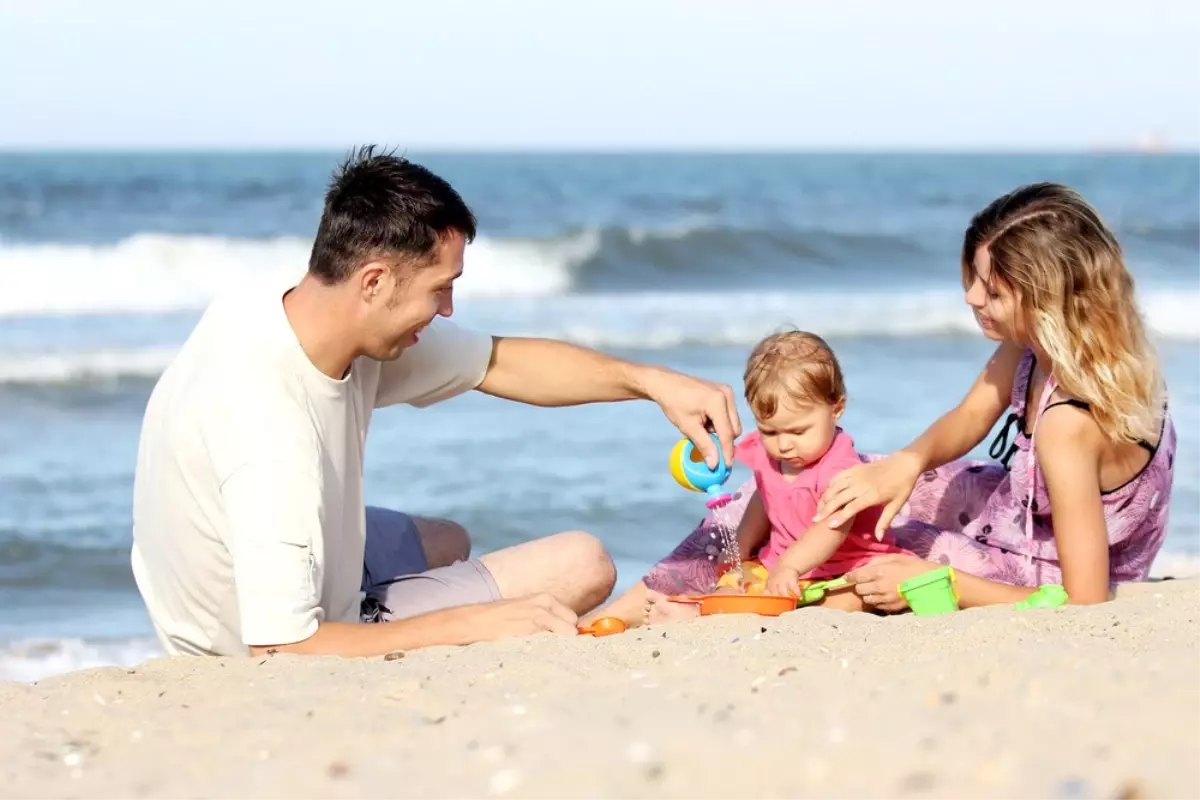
{"points": [[645, 321], [1182, 234], [28, 660], [154, 273], [656, 320], [85, 367], [720, 256]]}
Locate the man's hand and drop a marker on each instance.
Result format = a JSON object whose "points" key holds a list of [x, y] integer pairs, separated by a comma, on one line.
{"points": [[522, 616], [695, 406]]}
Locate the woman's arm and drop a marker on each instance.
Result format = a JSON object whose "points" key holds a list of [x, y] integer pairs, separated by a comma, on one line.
{"points": [[974, 592], [889, 482], [961, 428], [753, 529], [1069, 445], [878, 583]]}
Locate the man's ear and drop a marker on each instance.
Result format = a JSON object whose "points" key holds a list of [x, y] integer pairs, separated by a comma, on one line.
{"points": [[372, 280]]}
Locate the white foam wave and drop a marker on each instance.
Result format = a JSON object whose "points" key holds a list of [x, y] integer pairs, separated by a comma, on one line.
{"points": [[648, 321], [523, 267], [34, 659], [669, 319], [145, 273], [158, 273], [85, 367], [1176, 565]]}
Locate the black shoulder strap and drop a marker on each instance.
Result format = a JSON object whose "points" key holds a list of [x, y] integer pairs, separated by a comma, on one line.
{"points": [[1076, 403], [1080, 404]]}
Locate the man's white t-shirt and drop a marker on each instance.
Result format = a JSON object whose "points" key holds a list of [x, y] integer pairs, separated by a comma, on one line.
{"points": [[248, 509]]}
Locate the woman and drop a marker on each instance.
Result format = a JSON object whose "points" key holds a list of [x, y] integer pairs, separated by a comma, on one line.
{"points": [[1080, 490]]}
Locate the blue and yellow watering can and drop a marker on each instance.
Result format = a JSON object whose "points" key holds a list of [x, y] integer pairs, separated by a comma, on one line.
{"points": [[689, 471]]}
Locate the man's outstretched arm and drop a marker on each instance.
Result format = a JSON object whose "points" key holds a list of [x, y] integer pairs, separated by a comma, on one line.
{"points": [[546, 372], [523, 616]]}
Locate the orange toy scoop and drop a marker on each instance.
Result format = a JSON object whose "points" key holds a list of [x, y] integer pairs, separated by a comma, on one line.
{"points": [[605, 626], [762, 604]]}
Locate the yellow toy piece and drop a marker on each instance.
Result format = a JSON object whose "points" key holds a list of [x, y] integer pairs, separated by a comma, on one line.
{"points": [[755, 578], [677, 466]]}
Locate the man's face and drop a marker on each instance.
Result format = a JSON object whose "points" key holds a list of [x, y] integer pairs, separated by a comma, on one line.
{"points": [[402, 301]]}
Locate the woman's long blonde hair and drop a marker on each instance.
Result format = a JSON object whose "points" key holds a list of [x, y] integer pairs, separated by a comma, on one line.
{"points": [[1051, 248]]}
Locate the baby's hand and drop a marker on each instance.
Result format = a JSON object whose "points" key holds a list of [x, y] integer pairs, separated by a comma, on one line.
{"points": [[784, 581]]}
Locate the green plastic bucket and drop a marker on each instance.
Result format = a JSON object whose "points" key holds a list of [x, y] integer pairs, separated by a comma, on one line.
{"points": [[931, 592], [1048, 595]]}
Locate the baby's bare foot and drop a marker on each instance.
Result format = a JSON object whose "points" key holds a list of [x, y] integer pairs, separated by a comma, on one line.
{"points": [[660, 609]]}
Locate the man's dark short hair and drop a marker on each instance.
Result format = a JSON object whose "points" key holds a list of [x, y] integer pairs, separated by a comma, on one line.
{"points": [[380, 205]]}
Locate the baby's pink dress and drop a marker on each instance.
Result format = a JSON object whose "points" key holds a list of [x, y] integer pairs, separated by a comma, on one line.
{"points": [[790, 506], [791, 502]]}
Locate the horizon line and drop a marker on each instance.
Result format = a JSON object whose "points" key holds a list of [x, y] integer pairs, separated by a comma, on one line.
{"points": [[431, 149]]}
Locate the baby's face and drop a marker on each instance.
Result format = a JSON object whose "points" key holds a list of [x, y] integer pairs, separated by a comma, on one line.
{"points": [[798, 435]]}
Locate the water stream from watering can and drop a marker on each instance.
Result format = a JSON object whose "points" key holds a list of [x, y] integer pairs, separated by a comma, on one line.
{"points": [[726, 531]]}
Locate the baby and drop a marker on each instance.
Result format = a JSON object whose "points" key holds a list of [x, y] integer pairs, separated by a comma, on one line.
{"points": [[795, 390]]}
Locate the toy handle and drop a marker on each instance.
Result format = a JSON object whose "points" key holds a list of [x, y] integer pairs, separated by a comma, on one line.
{"points": [[716, 440], [721, 465], [835, 583], [690, 449], [694, 474]]}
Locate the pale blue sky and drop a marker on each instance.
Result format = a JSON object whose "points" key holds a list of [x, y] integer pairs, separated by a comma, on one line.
{"points": [[617, 74]]}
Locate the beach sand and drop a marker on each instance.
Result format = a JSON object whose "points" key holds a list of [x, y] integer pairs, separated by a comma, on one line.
{"points": [[1074, 702]]}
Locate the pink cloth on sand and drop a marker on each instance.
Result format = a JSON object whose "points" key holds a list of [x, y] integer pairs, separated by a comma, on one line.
{"points": [[791, 502]]}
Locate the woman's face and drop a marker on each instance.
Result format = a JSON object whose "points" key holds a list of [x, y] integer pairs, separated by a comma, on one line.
{"points": [[996, 307]]}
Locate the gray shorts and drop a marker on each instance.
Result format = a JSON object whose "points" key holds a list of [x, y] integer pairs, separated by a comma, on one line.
{"points": [[396, 576]]}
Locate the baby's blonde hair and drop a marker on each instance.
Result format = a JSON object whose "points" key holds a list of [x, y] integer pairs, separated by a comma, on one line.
{"points": [[794, 367], [1051, 248]]}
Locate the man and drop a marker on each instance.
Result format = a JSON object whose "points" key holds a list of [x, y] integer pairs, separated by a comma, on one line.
{"points": [[249, 527]]}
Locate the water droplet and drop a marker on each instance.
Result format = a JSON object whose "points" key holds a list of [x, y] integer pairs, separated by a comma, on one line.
{"points": [[639, 752], [504, 781]]}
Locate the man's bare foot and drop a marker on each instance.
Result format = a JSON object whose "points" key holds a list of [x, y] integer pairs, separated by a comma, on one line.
{"points": [[660, 609]]}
